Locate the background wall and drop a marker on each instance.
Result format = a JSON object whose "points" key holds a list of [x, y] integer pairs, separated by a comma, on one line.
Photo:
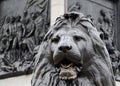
{"points": [[57, 9], [17, 81], [16, 8]]}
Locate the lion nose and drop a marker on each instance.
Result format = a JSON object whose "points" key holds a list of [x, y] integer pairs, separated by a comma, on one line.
{"points": [[65, 48]]}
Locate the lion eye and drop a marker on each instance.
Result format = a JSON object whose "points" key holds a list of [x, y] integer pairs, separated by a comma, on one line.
{"points": [[55, 40], [77, 38]]}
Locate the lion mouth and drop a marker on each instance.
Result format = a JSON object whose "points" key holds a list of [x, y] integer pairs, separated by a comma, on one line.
{"points": [[69, 70], [66, 63]]}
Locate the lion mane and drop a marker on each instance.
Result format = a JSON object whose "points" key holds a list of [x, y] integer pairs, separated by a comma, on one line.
{"points": [[97, 71]]}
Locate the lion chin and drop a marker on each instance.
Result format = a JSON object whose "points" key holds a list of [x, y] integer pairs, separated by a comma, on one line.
{"points": [[72, 54], [68, 69]]}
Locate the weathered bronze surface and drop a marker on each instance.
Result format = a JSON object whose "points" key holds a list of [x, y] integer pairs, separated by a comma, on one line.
{"points": [[72, 53], [104, 15], [23, 24]]}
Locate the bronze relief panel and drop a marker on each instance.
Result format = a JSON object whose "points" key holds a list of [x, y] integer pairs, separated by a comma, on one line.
{"points": [[23, 24]]}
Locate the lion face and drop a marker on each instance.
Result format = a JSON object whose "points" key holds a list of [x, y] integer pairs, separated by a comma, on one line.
{"points": [[71, 48], [72, 54]]}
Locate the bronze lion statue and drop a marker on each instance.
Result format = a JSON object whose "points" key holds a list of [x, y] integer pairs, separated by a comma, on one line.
{"points": [[73, 54]]}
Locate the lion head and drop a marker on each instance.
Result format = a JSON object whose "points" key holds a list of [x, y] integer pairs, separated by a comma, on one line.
{"points": [[72, 54]]}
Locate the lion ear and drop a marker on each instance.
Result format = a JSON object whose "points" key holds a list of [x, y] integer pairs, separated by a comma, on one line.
{"points": [[92, 30], [87, 23]]}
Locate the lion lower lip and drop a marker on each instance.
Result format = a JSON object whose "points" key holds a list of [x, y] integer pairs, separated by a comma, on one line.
{"points": [[68, 69], [68, 75]]}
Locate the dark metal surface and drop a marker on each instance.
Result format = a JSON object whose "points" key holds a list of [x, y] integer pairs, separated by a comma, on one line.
{"points": [[73, 54], [23, 24], [105, 17]]}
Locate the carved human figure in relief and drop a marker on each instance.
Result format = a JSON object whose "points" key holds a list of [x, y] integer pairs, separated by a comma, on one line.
{"points": [[5, 44], [29, 39], [73, 54]]}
